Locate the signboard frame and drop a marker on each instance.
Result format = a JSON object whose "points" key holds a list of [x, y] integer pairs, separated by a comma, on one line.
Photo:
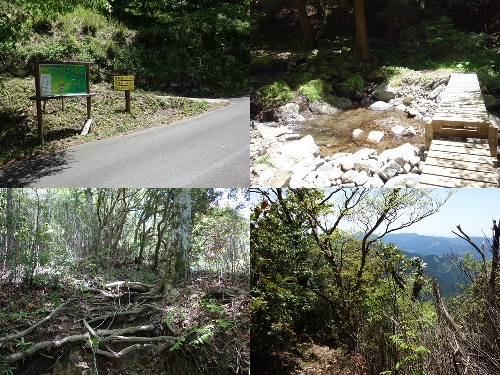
{"points": [[65, 68], [124, 83]]}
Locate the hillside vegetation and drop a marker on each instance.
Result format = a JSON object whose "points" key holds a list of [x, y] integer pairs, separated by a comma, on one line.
{"points": [[328, 301]]}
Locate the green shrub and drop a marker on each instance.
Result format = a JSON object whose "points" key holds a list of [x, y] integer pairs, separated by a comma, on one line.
{"points": [[275, 94], [356, 81], [316, 90]]}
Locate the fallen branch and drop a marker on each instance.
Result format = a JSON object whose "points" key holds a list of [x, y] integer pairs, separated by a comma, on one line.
{"points": [[26, 331]]}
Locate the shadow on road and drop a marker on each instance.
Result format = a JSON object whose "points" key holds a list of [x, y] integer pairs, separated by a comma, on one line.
{"points": [[27, 173]]}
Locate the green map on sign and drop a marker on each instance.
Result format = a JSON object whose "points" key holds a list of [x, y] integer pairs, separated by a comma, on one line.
{"points": [[62, 79]]}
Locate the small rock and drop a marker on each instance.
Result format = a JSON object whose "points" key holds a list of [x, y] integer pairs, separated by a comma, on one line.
{"points": [[434, 93], [361, 178], [349, 176], [397, 130], [375, 136], [356, 133], [380, 106], [389, 170], [281, 179], [385, 92], [491, 103], [410, 131]]}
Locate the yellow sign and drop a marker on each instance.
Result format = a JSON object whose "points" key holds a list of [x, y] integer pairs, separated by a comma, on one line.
{"points": [[123, 83]]}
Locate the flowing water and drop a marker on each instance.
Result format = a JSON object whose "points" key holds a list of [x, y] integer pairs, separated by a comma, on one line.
{"points": [[333, 133]]}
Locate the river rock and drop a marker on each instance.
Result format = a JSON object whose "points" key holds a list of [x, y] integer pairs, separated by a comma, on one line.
{"points": [[281, 179], [365, 153], [434, 93], [335, 174], [322, 108], [298, 150], [411, 131], [346, 162], [343, 103], [398, 130], [344, 90], [356, 133], [367, 165], [349, 176], [491, 103], [404, 181], [361, 178], [269, 132], [385, 92], [288, 112], [375, 136], [380, 106], [389, 170]]}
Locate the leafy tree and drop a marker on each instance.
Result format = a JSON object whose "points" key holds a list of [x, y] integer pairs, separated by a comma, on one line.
{"points": [[301, 258]]}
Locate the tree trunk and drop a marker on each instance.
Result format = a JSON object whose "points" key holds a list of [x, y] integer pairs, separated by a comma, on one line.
{"points": [[9, 235], [177, 264], [361, 33], [305, 24], [493, 17]]}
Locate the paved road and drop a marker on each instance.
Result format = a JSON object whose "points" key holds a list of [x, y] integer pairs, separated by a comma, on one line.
{"points": [[206, 151]]}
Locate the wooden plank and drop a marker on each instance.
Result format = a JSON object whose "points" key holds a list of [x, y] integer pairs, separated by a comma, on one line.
{"points": [[459, 150], [428, 181], [461, 157], [467, 145], [459, 164], [464, 174]]}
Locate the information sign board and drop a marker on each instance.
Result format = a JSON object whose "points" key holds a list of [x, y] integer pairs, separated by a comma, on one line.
{"points": [[60, 79], [123, 83]]}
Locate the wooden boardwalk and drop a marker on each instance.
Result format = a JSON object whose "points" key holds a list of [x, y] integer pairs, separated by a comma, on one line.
{"points": [[461, 113]]}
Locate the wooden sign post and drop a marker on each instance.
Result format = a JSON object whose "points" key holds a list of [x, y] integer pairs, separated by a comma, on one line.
{"points": [[59, 80], [124, 83]]}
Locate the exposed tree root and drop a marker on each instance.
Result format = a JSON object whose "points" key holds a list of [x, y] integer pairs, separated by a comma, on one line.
{"points": [[26, 331], [116, 335], [127, 312], [104, 335]]}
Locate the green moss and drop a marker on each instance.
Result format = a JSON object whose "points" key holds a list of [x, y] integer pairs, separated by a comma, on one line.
{"points": [[316, 90], [275, 94], [356, 81], [263, 64]]}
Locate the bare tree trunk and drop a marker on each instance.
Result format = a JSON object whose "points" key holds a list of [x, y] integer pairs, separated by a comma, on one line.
{"points": [[493, 16], [305, 24], [361, 33], [177, 264], [9, 229]]}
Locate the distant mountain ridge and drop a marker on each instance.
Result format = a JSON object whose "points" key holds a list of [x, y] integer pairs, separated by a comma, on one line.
{"points": [[433, 250], [432, 245]]}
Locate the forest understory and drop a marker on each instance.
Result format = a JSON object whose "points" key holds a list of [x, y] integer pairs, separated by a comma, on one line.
{"points": [[90, 326]]}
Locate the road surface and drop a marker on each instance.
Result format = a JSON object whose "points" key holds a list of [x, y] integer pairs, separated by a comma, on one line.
{"points": [[211, 150]]}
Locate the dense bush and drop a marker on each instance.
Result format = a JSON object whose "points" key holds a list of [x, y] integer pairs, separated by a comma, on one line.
{"points": [[204, 49]]}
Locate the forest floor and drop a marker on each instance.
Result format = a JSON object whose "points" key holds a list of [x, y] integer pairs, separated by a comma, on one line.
{"points": [[314, 359], [125, 327]]}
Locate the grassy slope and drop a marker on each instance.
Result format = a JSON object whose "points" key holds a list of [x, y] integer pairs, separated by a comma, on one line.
{"points": [[18, 121]]}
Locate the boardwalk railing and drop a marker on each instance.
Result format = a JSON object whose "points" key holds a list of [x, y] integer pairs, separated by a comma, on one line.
{"points": [[461, 113]]}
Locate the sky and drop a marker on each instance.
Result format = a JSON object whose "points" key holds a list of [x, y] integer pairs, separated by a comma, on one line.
{"points": [[473, 209]]}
